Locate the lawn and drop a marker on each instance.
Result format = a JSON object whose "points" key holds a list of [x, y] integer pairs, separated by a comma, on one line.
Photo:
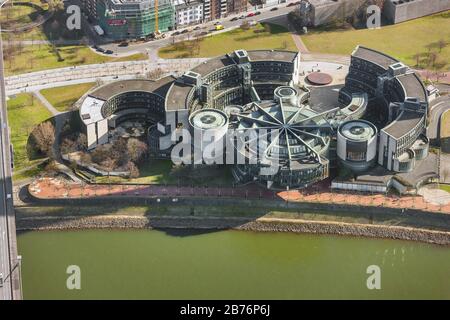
{"points": [[42, 57], [62, 98], [445, 187], [257, 37], [16, 15], [445, 132], [24, 113], [162, 172], [402, 41]]}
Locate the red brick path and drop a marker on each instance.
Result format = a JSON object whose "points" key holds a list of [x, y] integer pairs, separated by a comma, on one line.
{"points": [[48, 188]]}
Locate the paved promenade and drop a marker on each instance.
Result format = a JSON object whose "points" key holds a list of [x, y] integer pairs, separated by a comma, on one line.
{"points": [[51, 188]]}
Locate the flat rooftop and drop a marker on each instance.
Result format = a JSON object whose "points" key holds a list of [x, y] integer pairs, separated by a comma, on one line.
{"points": [[272, 55], [413, 86], [374, 56], [405, 122], [209, 66], [112, 89], [177, 96]]}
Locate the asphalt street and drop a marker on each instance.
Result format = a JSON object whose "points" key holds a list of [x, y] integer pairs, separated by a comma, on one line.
{"points": [[438, 107]]}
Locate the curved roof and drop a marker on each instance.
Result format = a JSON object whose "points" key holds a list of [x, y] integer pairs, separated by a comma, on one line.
{"points": [[358, 130], [413, 86], [112, 89], [90, 110], [295, 134], [374, 56], [272, 55], [405, 122]]}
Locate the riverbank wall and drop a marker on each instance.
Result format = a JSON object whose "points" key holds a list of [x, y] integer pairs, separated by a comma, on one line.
{"points": [[233, 223]]}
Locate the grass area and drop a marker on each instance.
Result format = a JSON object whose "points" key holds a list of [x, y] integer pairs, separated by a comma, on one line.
{"points": [[16, 15], [42, 57], [163, 172], [445, 187], [402, 41], [62, 98], [445, 132], [24, 113], [257, 37]]}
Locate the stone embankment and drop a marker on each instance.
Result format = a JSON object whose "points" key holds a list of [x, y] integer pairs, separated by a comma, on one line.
{"points": [[26, 223]]}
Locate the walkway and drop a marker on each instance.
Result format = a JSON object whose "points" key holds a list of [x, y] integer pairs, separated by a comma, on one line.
{"points": [[51, 188], [301, 47], [45, 102]]}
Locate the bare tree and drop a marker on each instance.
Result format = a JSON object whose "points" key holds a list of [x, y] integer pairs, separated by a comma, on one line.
{"points": [[441, 44], [44, 136], [137, 149], [417, 58], [155, 74], [134, 170]]}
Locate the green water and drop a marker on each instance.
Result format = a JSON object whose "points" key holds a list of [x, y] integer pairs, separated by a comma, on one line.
{"points": [[228, 265]]}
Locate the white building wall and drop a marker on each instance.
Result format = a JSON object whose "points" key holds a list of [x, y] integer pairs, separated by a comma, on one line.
{"points": [[102, 131], [192, 14], [91, 135]]}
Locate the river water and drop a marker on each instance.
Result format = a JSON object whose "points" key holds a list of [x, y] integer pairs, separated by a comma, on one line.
{"points": [[143, 264]]}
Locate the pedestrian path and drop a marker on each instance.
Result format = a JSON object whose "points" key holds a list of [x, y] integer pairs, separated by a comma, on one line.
{"points": [[52, 188]]}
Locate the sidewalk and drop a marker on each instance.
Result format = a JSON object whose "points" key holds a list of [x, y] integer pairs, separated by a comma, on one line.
{"points": [[51, 188]]}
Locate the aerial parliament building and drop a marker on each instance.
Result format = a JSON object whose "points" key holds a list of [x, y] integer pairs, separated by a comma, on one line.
{"points": [[378, 119]]}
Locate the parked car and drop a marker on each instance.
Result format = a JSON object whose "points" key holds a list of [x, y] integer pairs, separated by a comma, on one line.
{"points": [[109, 52], [291, 4], [216, 23], [175, 33], [257, 13], [242, 17], [234, 19], [197, 28], [100, 50], [185, 31], [274, 9], [123, 44], [251, 14]]}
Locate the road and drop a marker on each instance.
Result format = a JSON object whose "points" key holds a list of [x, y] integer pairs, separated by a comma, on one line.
{"points": [[266, 16], [438, 106], [10, 290]]}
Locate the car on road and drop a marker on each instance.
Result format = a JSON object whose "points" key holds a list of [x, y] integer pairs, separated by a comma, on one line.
{"points": [[251, 14], [274, 9], [123, 44], [175, 33], [291, 4], [197, 28], [242, 17], [185, 31], [100, 50], [257, 13], [219, 27], [234, 19], [109, 52]]}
